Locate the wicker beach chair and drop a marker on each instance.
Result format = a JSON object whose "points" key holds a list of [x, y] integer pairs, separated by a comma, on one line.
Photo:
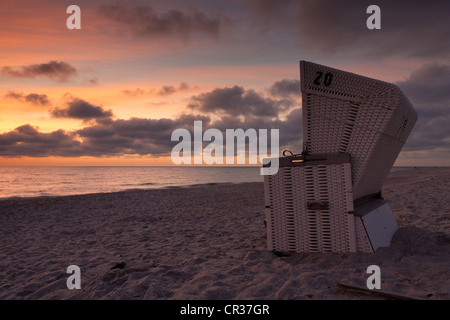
{"points": [[328, 199]]}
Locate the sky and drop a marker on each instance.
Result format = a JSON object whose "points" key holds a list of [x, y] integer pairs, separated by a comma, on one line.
{"points": [[112, 92]]}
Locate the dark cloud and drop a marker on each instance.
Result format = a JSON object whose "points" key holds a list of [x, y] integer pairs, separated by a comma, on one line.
{"points": [[33, 98], [327, 27], [142, 20], [291, 131], [290, 128], [428, 89], [428, 84], [80, 109], [59, 71], [238, 101], [26, 140], [119, 137], [150, 137], [286, 88], [134, 136]]}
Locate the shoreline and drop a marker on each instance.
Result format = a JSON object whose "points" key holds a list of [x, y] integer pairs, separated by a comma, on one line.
{"points": [[208, 184], [202, 185], [208, 243]]}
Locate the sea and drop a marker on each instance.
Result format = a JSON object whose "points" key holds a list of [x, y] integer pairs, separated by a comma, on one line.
{"points": [[26, 182]]}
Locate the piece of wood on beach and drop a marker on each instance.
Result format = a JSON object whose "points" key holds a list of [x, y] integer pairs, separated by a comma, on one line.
{"points": [[386, 294]]}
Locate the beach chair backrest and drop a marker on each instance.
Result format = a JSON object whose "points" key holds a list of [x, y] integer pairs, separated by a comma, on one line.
{"points": [[348, 113]]}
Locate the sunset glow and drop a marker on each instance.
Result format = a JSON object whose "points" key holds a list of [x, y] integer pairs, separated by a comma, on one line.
{"points": [[112, 92]]}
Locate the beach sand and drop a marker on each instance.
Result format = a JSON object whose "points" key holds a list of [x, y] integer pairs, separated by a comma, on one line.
{"points": [[210, 243]]}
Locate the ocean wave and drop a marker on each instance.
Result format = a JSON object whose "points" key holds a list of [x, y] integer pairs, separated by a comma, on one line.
{"points": [[26, 197], [148, 184], [209, 184], [11, 198], [139, 184], [197, 185]]}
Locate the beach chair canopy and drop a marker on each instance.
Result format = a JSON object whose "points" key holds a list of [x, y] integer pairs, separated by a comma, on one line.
{"points": [[347, 113]]}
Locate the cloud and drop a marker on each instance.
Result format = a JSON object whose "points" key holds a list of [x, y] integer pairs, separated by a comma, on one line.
{"points": [[143, 21], [290, 128], [98, 140], [32, 98], [59, 71], [237, 101], [141, 136], [83, 110], [37, 99], [170, 89], [26, 140], [285, 88], [234, 107], [134, 136], [166, 90], [428, 89], [134, 93], [336, 27], [93, 81], [268, 11], [428, 84], [114, 138]]}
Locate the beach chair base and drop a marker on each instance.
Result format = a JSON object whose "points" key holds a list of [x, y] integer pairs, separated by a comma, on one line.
{"points": [[375, 225]]}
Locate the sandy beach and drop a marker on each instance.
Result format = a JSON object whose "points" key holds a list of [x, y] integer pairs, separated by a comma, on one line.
{"points": [[210, 243]]}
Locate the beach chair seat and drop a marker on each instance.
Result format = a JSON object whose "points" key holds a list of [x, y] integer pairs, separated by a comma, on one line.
{"points": [[309, 203], [310, 208]]}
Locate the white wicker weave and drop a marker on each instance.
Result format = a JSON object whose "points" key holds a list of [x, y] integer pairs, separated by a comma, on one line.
{"points": [[308, 205], [347, 113]]}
